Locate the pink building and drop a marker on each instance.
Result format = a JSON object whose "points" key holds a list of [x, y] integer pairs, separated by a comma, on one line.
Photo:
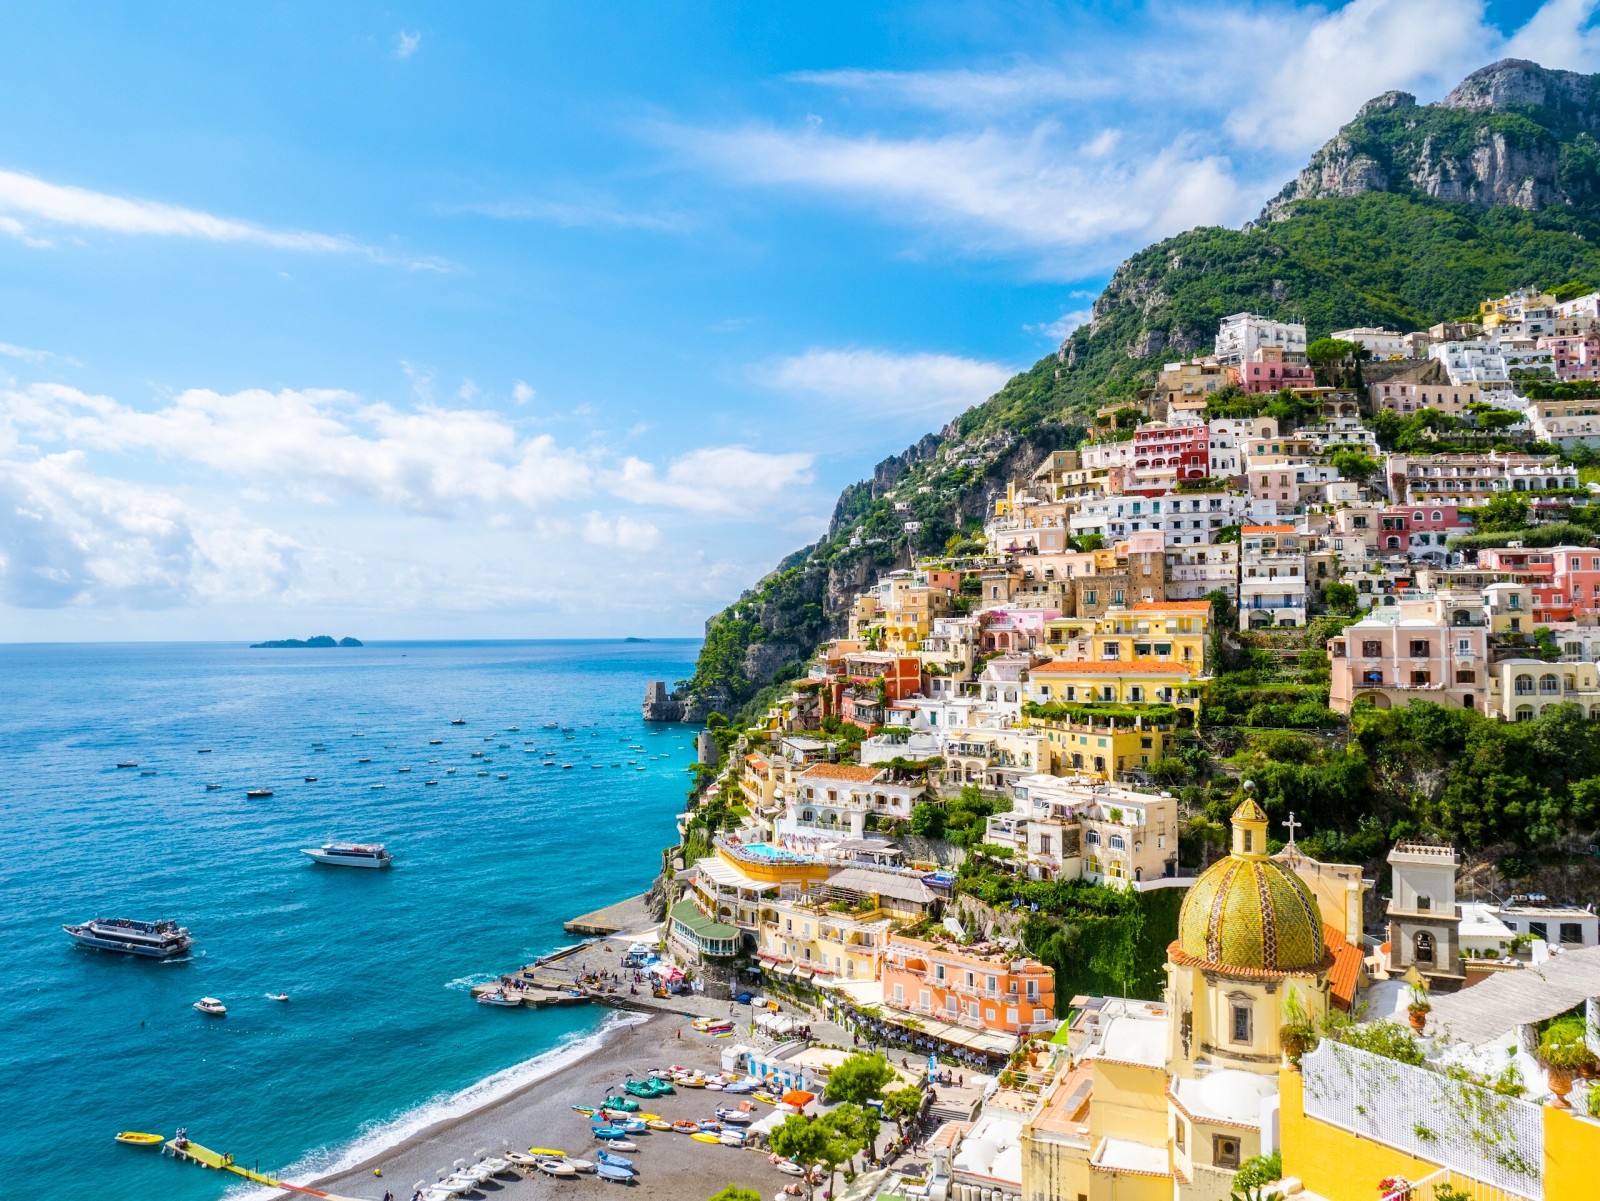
{"points": [[1407, 398], [1563, 579], [1422, 532], [1013, 629], [1184, 451], [1267, 372], [1577, 356]]}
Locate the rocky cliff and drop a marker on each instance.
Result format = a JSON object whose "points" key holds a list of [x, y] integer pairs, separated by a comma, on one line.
{"points": [[1512, 133]]}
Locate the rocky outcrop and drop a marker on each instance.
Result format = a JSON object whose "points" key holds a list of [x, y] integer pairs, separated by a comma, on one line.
{"points": [[1497, 139]]}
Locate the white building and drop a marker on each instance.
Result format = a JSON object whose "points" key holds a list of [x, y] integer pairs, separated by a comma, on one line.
{"points": [[1080, 827], [1185, 519], [1481, 362], [1194, 572], [1380, 343], [832, 800], [1272, 576], [1242, 334]]}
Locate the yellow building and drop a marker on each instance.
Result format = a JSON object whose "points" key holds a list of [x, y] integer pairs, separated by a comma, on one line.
{"points": [[826, 940], [758, 784], [1165, 631], [1166, 1100], [1106, 718]]}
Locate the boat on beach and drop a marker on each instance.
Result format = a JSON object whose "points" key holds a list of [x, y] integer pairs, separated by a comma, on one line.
{"points": [[152, 940], [351, 854]]}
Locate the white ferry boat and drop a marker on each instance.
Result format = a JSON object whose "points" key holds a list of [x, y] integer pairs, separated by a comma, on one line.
{"points": [[154, 940], [351, 854]]}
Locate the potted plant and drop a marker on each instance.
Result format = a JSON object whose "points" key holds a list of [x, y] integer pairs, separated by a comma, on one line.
{"points": [[1298, 1034], [1394, 1188], [1565, 1055], [1418, 1008]]}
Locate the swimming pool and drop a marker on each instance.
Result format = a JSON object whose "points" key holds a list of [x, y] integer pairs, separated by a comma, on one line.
{"points": [[765, 850]]}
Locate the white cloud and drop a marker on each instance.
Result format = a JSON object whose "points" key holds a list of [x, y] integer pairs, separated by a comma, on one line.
{"points": [[26, 201], [1026, 86], [1354, 53], [523, 392], [70, 537], [731, 481], [1059, 329], [1561, 34], [589, 212], [984, 190], [875, 382], [25, 353], [406, 44], [623, 532], [321, 445]]}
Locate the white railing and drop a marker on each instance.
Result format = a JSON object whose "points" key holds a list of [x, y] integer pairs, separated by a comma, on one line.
{"points": [[1445, 1182], [1480, 1134]]}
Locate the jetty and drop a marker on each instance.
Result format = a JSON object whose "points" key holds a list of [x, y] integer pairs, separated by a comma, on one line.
{"points": [[632, 914], [193, 1152]]}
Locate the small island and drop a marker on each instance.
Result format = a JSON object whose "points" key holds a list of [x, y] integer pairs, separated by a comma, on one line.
{"points": [[295, 644]]}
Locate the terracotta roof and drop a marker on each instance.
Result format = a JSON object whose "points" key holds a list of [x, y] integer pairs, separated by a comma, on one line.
{"points": [[1114, 667], [1177, 956], [843, 771], [1194, 606], [1346, 973]]}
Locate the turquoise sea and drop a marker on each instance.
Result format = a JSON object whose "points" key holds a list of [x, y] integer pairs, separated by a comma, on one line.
{"points": [[380, 1033]]}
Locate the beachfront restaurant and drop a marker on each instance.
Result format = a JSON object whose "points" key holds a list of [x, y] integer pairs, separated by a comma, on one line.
{"points": [[699, 934], [859, 1005]]}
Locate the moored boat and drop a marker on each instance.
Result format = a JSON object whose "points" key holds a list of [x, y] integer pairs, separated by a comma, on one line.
{"points": [[137, 1138], [153, 940], [258, 793], [351, 854], [212, 1007], [499, 997]]}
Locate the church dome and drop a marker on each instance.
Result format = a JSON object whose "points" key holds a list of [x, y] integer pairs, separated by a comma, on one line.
{"points": [[1249, 913]]}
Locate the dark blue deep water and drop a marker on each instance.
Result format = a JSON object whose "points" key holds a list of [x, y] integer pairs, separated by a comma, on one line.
{"points": [[380, 1033]]}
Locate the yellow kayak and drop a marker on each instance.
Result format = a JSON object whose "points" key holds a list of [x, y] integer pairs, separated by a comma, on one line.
{"points": [[703, 1137], [138, 1139], [767, 1098], [648, 1117], [551, 1151]]}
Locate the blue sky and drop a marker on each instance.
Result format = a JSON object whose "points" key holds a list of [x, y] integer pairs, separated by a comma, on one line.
{"points": [[541, 320]]}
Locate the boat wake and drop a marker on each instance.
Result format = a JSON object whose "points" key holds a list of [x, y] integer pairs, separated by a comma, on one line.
{"points": [[467, 983], [374, 1137]]}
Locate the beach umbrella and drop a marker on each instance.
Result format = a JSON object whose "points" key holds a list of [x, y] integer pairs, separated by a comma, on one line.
{"points": [[799, 1098]]}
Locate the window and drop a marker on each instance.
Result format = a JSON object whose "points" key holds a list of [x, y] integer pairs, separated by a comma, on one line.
{"points": [[1539, 930], [1241, 1021], [1371, 649], [1571, 932], [1224, 1151], [1423, 947], [1419, 648], [1180, 1134], [1424, 903]]}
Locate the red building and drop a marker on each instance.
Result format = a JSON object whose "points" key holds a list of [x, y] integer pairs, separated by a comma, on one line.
{"points": [[1420, 531], [1184, 450], [1564, 579]]}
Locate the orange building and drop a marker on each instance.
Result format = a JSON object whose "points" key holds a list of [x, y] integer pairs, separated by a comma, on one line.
{"points": [[982, 987]]}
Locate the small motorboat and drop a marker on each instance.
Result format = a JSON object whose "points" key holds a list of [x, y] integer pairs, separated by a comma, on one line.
{"points": [[615, 1161], [258, 793], [436, 742], [622, 1144], [430, 783], [213, 787], [633, 1126], [581, 1165], [449, 771], [566, 767], [740, 1086], [136, 1138], [277, 996], [609, 1172], [789, 1168], [731, 1138], [458, 721], [363, 760], [120, 765], [520, 1160], [686, 1127], [659, 1124], [205, 750], [556, 1167], [311, 779], [609, 1134], [402, 770], [735, 1117], [499, 997], [212, 1006], [502, 776]]}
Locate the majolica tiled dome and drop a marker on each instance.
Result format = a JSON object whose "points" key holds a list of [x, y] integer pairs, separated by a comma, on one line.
{"points": [[1249, 913]]}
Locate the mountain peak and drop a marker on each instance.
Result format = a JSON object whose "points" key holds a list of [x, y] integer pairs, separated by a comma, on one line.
{"points": [[1511, 133]]}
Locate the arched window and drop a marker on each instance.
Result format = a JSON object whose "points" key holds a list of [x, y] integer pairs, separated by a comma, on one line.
{"points": [[1092, 838], [1423, 944], [1424, 903], [1118, 843], [1548, 683], [1524, 712]]}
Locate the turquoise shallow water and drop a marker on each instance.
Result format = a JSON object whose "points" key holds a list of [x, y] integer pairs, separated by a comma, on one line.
{"points": [[380, 1030]]}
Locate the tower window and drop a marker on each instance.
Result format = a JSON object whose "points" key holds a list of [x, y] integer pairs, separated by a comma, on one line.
{"points": [[1424, 947], [1241, 1023]]}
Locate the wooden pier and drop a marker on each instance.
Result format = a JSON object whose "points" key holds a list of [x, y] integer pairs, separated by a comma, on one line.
{"points": [[193, 1152]]}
